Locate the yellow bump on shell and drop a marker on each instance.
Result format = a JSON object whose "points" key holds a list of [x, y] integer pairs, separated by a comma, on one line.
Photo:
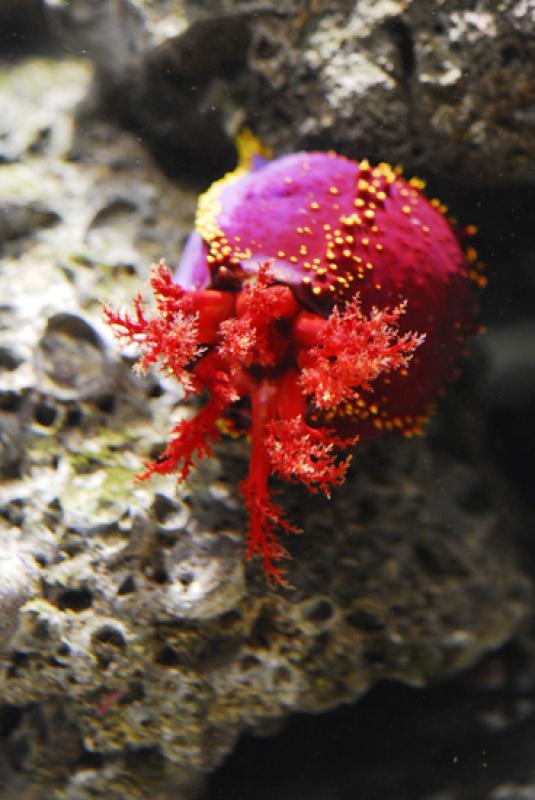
{"points": [[333, 190], [316, 290], [417, 183], [249, 146], [314, 206]]}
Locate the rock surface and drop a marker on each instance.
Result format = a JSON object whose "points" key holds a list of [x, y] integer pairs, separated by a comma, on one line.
{"points": [[440, 86]]}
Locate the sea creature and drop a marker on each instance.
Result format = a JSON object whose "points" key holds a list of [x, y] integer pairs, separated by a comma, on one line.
{"points": [[319, 301]]}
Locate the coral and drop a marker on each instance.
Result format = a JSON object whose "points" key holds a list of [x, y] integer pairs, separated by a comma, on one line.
{"points": [[275, 317]]}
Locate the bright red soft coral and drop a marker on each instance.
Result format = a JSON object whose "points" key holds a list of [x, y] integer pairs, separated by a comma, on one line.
{"points": [[294, 315]]}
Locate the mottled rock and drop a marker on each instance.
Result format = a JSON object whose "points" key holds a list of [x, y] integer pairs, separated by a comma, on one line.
{"points": [[436, 86], [18, 581]]}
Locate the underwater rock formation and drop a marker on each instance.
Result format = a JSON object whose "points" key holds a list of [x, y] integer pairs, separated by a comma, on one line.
{"points": [[431, 85]]}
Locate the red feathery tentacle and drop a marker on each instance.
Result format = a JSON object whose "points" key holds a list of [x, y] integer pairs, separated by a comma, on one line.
{"points": [[353, 351], [264, 515], [192, 438]]}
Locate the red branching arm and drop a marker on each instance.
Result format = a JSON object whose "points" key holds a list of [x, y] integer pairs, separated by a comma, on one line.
{"points": [[170, 337], [301, 454], [192, 438], [252, 336], [189, 439], [264, 519], [354, 350], [264, 515]]}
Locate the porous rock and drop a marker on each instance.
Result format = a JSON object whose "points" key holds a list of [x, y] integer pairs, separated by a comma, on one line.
{"points": [[143, 632], [437, 86]]}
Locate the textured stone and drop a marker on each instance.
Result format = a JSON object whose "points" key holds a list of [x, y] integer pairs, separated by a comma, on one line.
{"points": [[18, 581], [436, 86]]}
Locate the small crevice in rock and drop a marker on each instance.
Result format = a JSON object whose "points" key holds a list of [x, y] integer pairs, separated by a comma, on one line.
{"points": [[9, 360], [128, 586], [403, 39], [45, 414], [75, 600], [10, 401], [168, 657]]}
